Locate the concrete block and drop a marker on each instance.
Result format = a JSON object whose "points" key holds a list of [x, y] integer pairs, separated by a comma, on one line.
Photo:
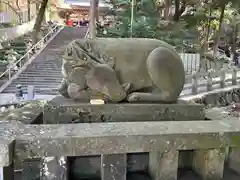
{"points": [[113, 166], [209, 163], [163, 165]]}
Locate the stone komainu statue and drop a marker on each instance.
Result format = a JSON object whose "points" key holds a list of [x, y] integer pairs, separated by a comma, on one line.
{"points": [[122, 69]]}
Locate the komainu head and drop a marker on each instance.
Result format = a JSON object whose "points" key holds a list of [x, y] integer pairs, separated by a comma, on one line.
{"points": [[100, 76]]}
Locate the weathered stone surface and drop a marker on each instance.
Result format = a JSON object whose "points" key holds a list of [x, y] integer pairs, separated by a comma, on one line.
{"points": [[163, 165], [6, 152], [209, 163], [113, 166], [27, 113], [220, 113], [125, 137], [61, 110]]}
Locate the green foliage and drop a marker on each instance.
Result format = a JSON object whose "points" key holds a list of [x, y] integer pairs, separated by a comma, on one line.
{"points": [[198, 26], [147, 24]]}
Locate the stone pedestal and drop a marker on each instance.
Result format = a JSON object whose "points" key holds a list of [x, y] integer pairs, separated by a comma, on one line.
{"points": [[63, 111], [163, 165], [209, 163]]}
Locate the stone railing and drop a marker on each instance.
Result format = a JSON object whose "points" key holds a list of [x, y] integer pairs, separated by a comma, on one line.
{"points": [[200, 82], [27, 58], [164, 141]]}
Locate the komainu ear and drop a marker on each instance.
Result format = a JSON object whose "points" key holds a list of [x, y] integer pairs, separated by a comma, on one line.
{"points": [[126, 87]]}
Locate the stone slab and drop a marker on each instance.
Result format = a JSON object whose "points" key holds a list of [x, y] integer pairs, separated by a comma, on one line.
{"points": [[29, 112], [126, 137], [63, 111]]}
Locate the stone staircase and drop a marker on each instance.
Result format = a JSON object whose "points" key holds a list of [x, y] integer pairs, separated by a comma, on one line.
{"points": [[44, 73]]}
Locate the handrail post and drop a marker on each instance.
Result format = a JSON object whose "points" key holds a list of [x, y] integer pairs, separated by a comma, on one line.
{"points": [[9, 73], [234, 76], [222, 78], [209, 80], [194, 83]]}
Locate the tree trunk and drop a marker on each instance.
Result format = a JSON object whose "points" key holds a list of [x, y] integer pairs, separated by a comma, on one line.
{"points": [[166, 9], [39, 20], [17, 12], [97, 11], [223, 6], [177, 10], [92, 23], [208, 29], [29, 10]]}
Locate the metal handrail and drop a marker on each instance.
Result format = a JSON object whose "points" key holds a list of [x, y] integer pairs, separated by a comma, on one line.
{"points": [[34, 47], [87, 33]]}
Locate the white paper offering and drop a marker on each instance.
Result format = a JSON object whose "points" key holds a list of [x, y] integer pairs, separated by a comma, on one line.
{"points": [[97, 101]]}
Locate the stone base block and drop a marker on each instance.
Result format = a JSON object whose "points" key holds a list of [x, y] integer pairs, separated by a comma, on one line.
{"points": [[209, 164], [61, 110], [163, 165]]}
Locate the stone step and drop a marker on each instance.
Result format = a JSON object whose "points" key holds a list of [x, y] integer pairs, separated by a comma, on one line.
{"points": [[45, 70], [46, 84], [37, 81], [36, 90], [40, 77]]}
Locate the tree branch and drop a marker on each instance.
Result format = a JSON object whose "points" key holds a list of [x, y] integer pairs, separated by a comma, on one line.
{"points": [[13, 9]]}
